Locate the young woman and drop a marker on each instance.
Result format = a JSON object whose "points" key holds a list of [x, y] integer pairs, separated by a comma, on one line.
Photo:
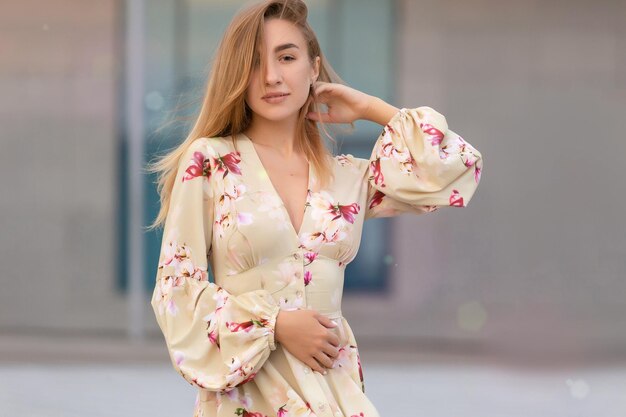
{"points": [[254, 192]]}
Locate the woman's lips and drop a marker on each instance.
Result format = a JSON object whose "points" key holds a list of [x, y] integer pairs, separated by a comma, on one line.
{"points": [[276, 99]]}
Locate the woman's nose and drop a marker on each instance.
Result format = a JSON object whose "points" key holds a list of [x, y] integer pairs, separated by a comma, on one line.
{"points": [[272, 75]]}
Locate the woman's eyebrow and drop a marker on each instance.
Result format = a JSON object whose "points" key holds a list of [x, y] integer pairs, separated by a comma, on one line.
{"points": [[285, 46]]}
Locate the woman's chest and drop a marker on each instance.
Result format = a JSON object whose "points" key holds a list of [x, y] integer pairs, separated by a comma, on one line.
{"points": [[254, 222], [291, 186]]}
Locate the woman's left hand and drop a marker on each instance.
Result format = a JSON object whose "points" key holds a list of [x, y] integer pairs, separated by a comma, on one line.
{"points": [[345, 104]]}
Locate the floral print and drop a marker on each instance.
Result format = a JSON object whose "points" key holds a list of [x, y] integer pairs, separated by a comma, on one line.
{"points": [[225, 214], [436, 168]]}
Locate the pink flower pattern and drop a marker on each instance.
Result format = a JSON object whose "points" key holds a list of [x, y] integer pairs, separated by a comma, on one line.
{"points": [[220, 334]]}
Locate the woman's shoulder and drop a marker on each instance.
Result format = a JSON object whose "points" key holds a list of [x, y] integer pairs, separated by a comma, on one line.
{"points": [[208, 151], [349, 161], [213, 144]]}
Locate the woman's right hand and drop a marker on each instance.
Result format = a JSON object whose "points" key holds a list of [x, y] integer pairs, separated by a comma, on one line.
{"points": [[305, 334]]}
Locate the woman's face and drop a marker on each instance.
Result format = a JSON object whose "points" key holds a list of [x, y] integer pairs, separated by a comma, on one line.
{"points": [[289, 72]]}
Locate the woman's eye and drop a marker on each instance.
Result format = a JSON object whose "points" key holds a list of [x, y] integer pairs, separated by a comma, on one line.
{"points": [[288, 56]]}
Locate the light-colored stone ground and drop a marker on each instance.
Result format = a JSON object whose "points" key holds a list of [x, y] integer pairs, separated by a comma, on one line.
{"points": [[433, 390], [106, 376]]}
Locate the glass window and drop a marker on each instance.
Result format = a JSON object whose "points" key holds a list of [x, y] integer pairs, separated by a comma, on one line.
{"points": [[181, 38]]}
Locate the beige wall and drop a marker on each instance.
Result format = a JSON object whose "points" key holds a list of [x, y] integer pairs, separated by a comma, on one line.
{"points": [[538, 255], [59, 69], [536, 261]]}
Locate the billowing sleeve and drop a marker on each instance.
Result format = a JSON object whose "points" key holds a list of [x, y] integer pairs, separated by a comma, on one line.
{"points": [[418, 165], [215, 340]]}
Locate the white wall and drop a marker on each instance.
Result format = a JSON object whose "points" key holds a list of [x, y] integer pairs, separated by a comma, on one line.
{"points": [[535, 262], [540, 89], [59, 70]]}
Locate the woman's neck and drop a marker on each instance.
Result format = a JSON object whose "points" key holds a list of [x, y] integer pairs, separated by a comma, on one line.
{"points": [[279, 136]]}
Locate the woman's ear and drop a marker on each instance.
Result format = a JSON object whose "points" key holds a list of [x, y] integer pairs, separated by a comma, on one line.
{"points": [[316, 69]]}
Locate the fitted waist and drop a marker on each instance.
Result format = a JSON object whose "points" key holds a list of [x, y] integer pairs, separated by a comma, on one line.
{"points": [[333, 314], [294, 281]]}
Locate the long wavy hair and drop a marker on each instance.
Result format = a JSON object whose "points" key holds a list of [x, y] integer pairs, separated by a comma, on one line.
{"points": [[224, 112]]}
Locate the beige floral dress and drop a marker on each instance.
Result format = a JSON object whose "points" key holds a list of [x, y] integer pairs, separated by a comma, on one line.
{"points": [[225, 212]]}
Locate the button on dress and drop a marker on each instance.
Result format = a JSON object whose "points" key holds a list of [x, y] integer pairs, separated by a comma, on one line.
{"points": [[224, 211]]}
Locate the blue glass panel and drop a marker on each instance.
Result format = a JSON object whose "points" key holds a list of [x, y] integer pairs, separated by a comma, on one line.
{"points": [[357, 37]]}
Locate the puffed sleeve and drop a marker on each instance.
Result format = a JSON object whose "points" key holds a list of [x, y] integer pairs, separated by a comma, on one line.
{"points": [[215, 340], [418, 165]]}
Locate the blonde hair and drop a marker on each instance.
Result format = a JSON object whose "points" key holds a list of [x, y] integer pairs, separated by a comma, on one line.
{"points": [[224, 111]]}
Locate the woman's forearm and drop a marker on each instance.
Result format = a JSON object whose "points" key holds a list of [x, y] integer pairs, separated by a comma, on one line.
{"points": [[379, 111]]}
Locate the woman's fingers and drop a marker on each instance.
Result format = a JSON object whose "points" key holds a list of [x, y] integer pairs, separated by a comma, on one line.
{"points": [[331, 351], [333, 339], [323, 117], [325, 321], [324, 360], [316, 362], [328, 93], [320, 87], [322, 98], [314, 365]]}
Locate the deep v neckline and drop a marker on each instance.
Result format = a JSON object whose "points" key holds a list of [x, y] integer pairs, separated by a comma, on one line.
{"points": [[273, 189]]}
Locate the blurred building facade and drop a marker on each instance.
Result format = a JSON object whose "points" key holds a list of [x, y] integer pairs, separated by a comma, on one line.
{"points": [[535, 262]]}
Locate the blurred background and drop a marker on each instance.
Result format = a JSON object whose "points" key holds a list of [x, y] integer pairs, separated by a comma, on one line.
{"points": [[512, 306]]}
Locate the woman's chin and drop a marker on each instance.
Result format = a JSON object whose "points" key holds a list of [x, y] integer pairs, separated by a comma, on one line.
{"points": [[277, 115]]}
